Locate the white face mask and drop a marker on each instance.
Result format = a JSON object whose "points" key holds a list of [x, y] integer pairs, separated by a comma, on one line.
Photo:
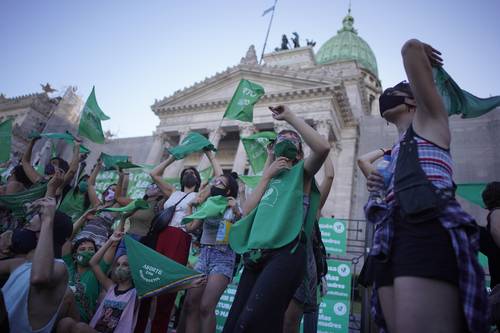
{"points": [[110, 195]]}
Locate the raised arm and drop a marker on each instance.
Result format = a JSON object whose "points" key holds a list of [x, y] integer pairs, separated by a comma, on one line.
{"points": [[431, 119], [44, 272], [214, 162], [73, 165], [326, 185], [121, 189], [319, 146], [157, 176], [30, 172], [101, 276], [81, 221], [94, 199], [365, 162]]}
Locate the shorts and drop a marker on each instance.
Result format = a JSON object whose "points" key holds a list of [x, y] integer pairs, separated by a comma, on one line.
{"points": [[306, 293], [420, 250], [216, 259]]}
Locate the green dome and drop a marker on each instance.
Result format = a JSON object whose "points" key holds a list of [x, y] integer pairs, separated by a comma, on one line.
{"points": [[347, 45]]}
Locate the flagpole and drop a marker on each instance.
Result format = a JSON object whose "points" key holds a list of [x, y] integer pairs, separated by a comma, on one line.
{"points": [[268, 30]]}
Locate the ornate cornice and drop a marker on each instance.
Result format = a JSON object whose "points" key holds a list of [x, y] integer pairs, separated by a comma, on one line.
{"points": [[281, 72]]}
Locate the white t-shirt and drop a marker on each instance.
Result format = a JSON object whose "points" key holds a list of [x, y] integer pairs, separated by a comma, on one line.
{"points": [[180, 210]]}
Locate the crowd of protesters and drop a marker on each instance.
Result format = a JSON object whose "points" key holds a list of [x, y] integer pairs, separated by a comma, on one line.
{"points": [[64, 264]]}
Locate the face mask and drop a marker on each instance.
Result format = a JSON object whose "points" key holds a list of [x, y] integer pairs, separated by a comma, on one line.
{"points": [[214, 191], [387, 102], [110, 195], [83, 258], [122, 274], [83, 186], [285, 148], [189, 180], [23, 241]]}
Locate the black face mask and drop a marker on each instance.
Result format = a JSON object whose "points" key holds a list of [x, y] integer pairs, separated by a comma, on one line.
{"points": [[189, 180], [23, 241], [387, 102], [214, 191]]}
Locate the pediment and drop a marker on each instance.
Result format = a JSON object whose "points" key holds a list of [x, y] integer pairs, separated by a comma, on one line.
{"points": [[222, 85]]}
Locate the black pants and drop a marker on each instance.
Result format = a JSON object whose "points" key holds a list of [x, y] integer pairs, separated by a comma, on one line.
{"points": [[263, 295]]}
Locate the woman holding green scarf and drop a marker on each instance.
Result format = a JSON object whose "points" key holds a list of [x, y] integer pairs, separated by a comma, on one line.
{"points": [[278, 223]]}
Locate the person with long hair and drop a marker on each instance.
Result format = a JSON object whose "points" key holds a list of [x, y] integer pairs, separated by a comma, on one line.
{"points": [[216, 258], [427, 276], [174, 241], [278, 223]]}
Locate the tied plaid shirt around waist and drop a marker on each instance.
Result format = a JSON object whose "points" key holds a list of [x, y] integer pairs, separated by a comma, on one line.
{"points": [[462, 228]]}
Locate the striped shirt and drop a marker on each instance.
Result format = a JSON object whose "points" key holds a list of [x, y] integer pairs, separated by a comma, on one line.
{"points": [[435, 161]]}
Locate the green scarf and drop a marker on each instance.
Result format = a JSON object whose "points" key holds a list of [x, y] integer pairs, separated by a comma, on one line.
{"points": [[212, 207], [134, 205], [15, 202], [279, 217], [193, 142], [153, 273]]}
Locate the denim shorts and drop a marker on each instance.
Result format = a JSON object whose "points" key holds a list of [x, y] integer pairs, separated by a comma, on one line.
{"points": [[216, 259]]}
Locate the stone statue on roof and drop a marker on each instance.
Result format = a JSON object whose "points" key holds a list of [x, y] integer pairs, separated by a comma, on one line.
{"points": [[251, 57], [284, 43], [47, 88], [295, 40]]}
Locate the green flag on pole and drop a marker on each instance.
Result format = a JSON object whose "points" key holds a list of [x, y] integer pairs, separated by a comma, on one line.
{"points": [[5, 140], [193, 142], [458, 101], [212, 207], [256, 148], [90, 121], [153, 273], [240, 107], [472, 193]]}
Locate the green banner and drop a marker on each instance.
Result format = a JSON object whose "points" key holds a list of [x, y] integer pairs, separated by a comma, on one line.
{"points": [[193, 142], [256, 148], [90, 120], [154, 273], [459, 101], [5, 140], [240, 107], [15, 202], [334, 309], [334, 235]]}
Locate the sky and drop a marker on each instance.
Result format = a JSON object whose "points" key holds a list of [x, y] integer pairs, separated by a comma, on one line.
{"points": [[136, 51]]}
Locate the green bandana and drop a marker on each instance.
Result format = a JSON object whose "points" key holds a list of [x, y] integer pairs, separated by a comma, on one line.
{"points": [[193, 142], [212, 207], [285, 148], [83, 258], [279, 217], [73, 204]]}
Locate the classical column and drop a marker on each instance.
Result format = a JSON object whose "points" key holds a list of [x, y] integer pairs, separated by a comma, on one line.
{"points": [[214, 137], [174, 170], [240, 159], [155, 153]]}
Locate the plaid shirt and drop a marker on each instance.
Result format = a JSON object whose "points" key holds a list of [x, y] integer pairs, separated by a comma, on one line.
{"points": [[464, 235]]}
